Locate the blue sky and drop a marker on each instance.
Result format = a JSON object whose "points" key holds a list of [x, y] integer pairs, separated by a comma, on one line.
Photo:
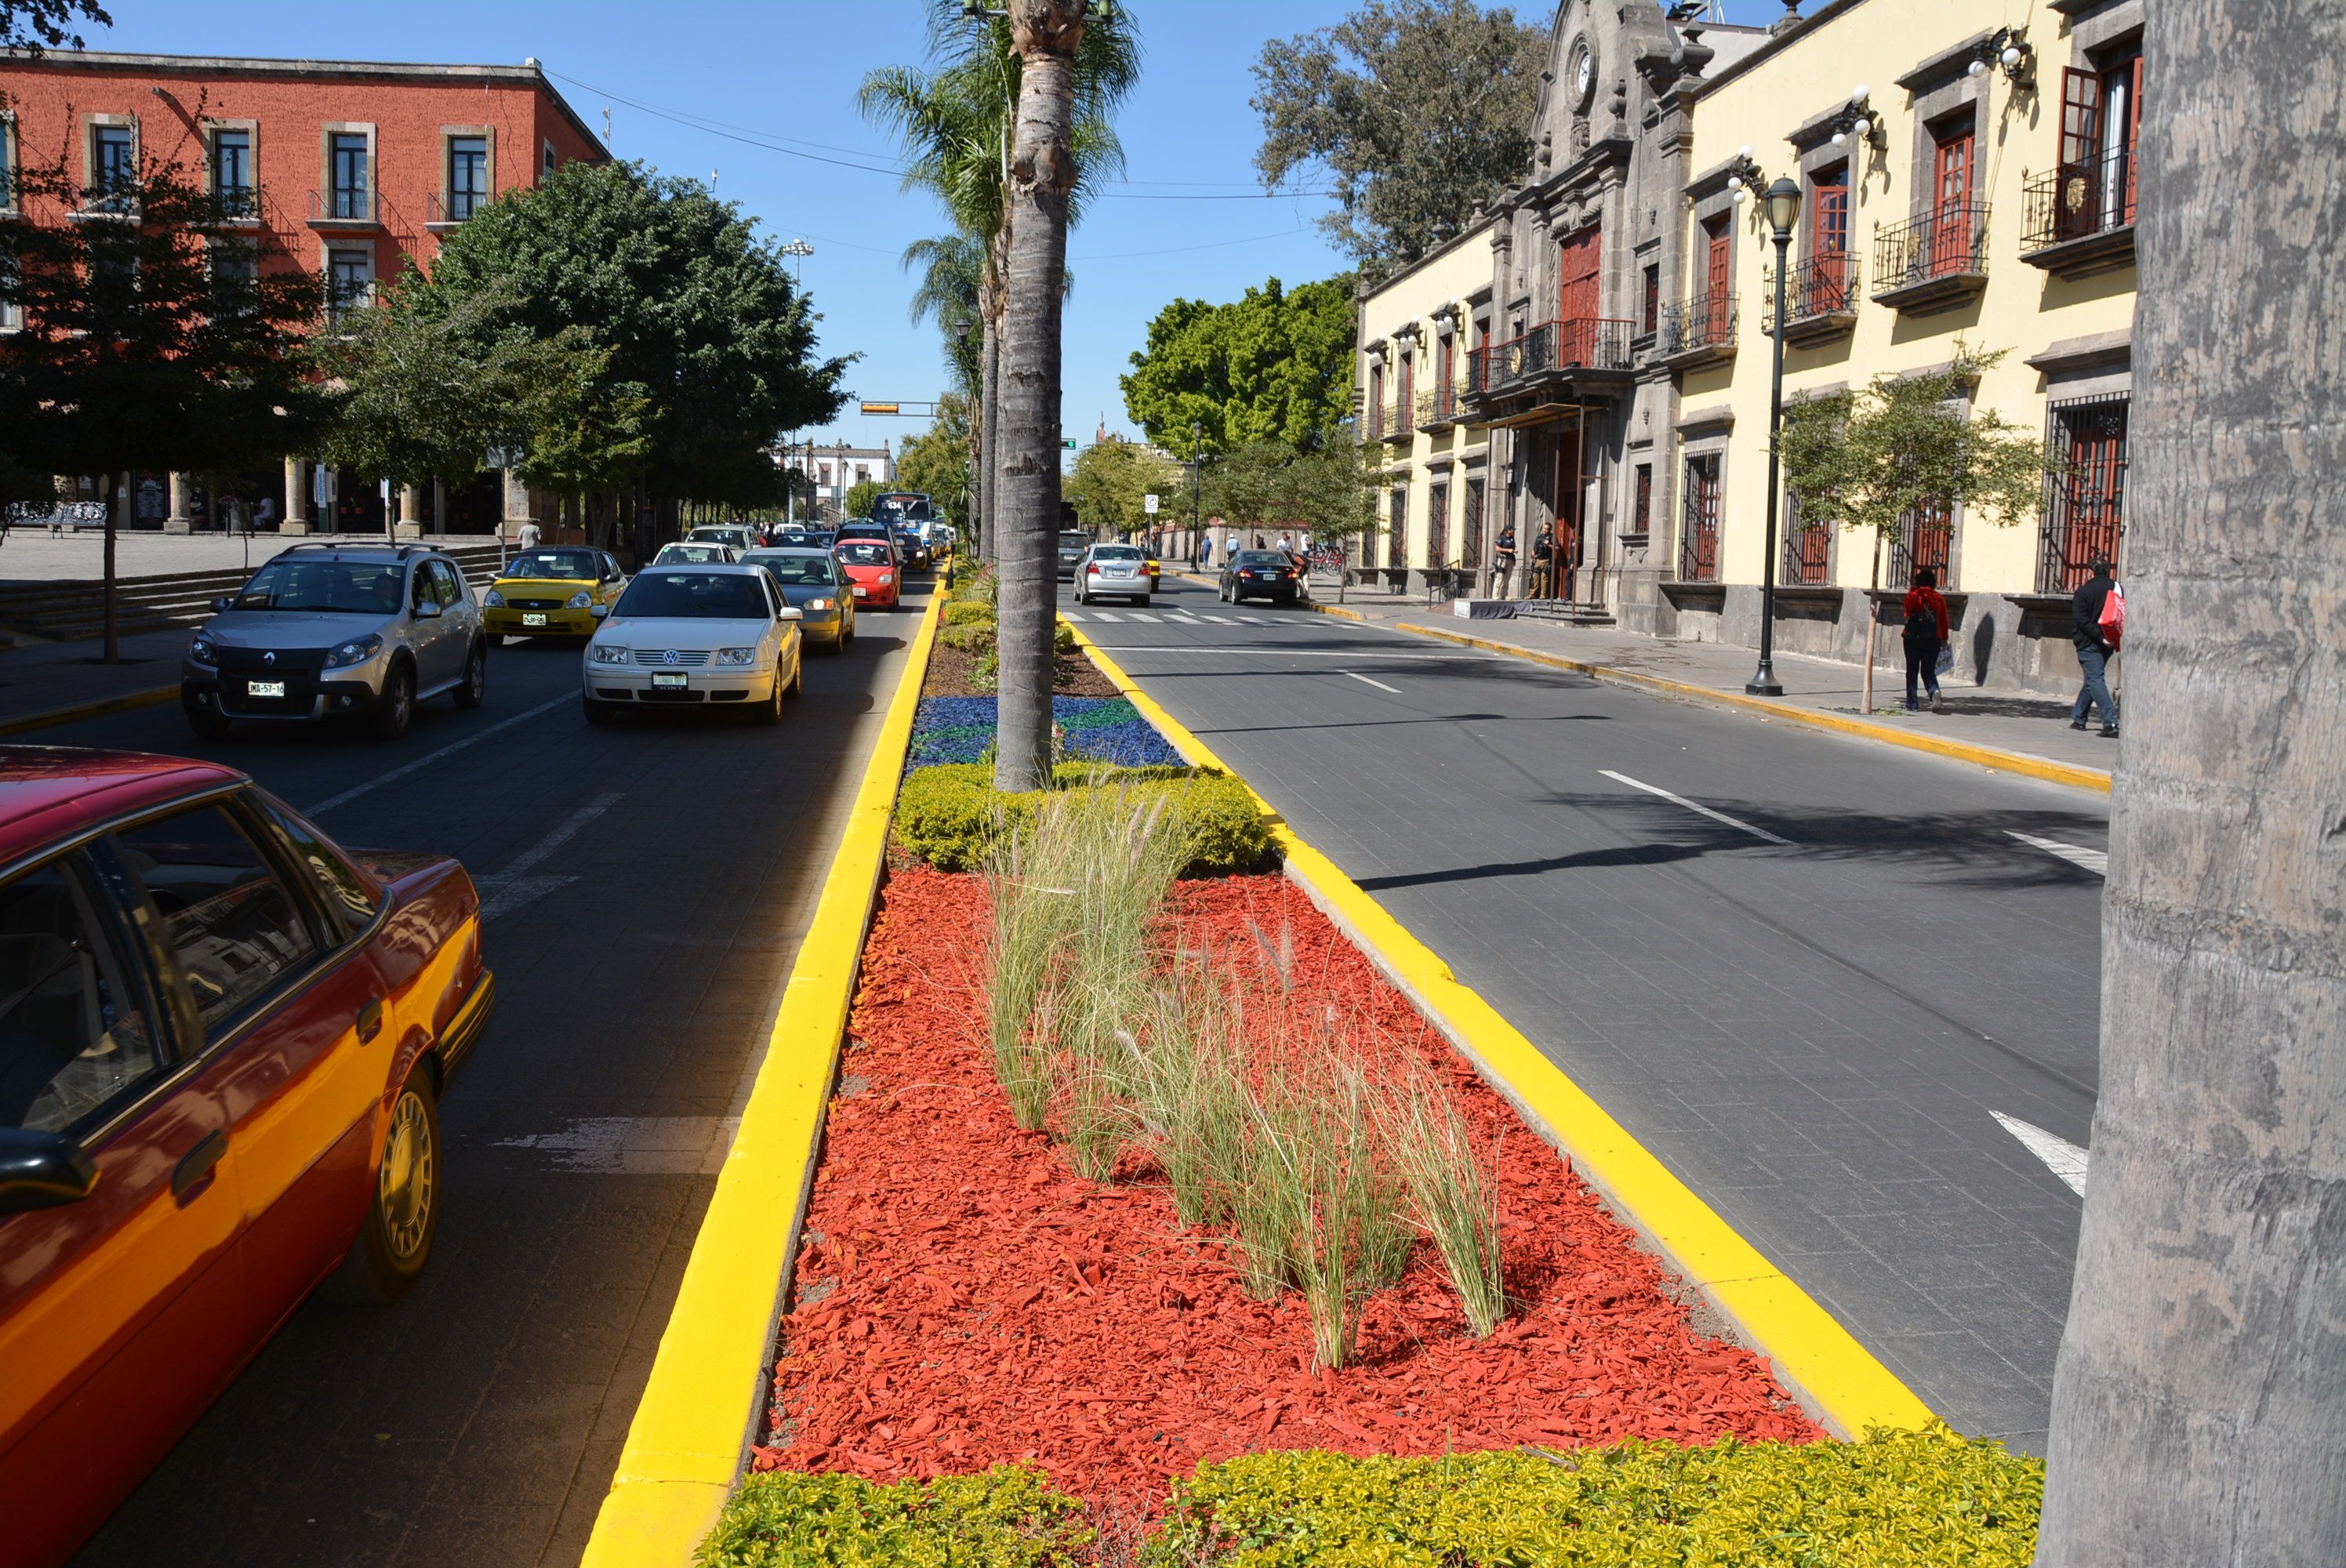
{"points": [[787, 70]]}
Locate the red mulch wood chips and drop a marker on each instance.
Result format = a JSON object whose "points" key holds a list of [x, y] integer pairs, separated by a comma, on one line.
{"points": [[963, 1300]]}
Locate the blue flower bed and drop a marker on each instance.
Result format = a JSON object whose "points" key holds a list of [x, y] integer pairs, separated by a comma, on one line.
{"points": [[1100, 729]]}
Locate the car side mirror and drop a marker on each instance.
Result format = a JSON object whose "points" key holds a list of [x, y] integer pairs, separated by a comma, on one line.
{"points": [[791, 613], [597, 612], [425, 612], [219, 605], [42, 1170]]}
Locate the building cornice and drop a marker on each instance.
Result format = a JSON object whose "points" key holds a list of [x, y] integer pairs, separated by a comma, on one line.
{"points": [[1774, 46], [2101, 351]]}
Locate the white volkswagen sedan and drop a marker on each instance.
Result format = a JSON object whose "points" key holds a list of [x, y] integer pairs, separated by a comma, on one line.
{"points": [[694, 635]]}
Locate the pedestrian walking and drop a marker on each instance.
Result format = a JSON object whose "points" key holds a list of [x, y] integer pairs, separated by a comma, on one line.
{"points": [[1544, 564], [1926, 633], [2096, 628], [1205, 552], [528, 535], [1502, 564]]}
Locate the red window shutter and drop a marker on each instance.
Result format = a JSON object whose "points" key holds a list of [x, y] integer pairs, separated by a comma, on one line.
{"points": [[2134, 108], [1955, 169], [2081, 115], [1717, 262]]}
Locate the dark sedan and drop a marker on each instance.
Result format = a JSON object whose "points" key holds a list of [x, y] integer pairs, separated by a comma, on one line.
{"points": [[1271, 575]]}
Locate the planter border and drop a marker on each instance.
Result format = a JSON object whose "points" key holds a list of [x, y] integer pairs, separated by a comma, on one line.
{"points": [[1819, 1361], [700, 1411]]}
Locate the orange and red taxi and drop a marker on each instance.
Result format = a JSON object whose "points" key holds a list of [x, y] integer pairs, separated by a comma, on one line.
{"points": [[222, 1039]]}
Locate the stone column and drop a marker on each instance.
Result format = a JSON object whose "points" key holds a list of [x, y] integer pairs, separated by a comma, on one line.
{"points": [[181, 520], [297, 498], [517, 510], [411, 508]]}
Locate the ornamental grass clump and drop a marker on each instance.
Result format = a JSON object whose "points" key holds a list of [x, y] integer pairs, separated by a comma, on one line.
{"points": [[1193, 1101], [1034, 909], [1454, 1195]]}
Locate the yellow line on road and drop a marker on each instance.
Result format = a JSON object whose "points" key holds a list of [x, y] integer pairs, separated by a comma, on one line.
{"points": [[704, 1403], [1819, 1361], [74, 713], [2018, 762]]}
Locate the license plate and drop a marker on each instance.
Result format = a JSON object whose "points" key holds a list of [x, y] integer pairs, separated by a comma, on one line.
{"points": [[532, 618], [666, 680], [264, 688], [859, 593]]}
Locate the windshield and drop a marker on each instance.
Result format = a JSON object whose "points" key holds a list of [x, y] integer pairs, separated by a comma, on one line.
{"points": [[338, 587], [574, 565], [695, 554], [865, 552], [1263, 558], [694, 595], [1118, 553], [717, 535], [794, 569]]}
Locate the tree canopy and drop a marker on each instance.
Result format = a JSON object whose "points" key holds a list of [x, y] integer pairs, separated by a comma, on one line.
{"points": [[1418, 111], [1112, 481], [33, 26], [1276, 365], [936, 462], [699, 318], [1262, 487]]}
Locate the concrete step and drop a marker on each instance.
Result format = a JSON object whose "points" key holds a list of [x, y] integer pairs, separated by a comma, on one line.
{"points": [[70, 609]]}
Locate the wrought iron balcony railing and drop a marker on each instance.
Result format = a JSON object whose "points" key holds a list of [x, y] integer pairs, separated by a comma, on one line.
{"points": [[1438, 409], [1934, 255], [1820, 295], [1701, 327], [2079, 216], [1584, 342], [343, 204]]}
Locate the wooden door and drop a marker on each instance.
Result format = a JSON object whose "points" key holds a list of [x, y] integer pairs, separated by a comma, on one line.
{"points": [[1826, 288], [1579, 296], [1718, 272], [1951, 231]]}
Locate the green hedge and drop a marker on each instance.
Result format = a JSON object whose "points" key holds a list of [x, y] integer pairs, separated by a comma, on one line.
{"points": [[1902, 1500], [969, 636], [1004, 1518], [963, 612], [951, 817]]}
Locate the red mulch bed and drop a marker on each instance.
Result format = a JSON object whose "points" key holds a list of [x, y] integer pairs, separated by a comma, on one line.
{"points": [[963, 1300]]}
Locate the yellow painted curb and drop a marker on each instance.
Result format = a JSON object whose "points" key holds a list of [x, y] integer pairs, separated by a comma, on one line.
{"points": [[2019, 762], [1823, 1364], [700, 1409], [74, 713]]}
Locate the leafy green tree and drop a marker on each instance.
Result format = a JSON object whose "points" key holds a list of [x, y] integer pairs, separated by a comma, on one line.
{"points": [[699, 317], [155, 333], [1419, 110], [953, 274], [1112, 482], [1268, 487], [936, 462], [1904, 449], [1276, 365], [862, 496], [32, 27]]}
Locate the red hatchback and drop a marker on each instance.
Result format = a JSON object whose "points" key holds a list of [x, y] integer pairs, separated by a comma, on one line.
{"points": [[221, 1041], [874, 571]]}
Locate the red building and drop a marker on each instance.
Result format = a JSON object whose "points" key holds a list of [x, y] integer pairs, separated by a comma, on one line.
{"points": [[353, 168]]}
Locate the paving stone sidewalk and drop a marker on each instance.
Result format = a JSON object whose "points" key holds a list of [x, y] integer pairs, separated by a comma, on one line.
{"points": [[2020, 722], [41, 677]]}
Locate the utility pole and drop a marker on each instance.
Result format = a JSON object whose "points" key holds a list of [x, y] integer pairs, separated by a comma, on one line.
{"points": [[1197, 488]]}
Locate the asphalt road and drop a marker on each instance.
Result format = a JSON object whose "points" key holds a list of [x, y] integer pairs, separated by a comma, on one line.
{"points": [[1809, 972], [647, 886]]}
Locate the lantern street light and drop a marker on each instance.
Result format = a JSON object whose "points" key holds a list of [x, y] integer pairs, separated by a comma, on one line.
{"points": [[1783, 211]]}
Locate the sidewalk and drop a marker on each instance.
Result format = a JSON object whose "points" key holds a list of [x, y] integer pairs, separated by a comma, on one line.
{"points": [[31, 554], [58, 683]]}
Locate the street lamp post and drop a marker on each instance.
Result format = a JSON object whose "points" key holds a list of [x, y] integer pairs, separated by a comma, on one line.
{"points": [[1197, 488], [1783, 210]]}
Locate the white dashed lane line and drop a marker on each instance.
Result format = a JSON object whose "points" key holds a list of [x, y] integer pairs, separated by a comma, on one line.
{"points": [[1700, 810], [2095, 861], [1366, 681]]}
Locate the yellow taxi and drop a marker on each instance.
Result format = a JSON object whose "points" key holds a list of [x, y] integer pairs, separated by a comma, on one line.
{"points": [[551, 592]]}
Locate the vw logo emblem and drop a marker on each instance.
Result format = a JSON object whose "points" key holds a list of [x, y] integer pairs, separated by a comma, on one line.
{"points": [[669, 657], [269, 658]]}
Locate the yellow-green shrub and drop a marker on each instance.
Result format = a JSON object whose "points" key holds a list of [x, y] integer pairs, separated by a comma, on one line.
{"points": [[1902, 1499], [949, 815], [1005, 1518], [963, 612], [969, 636]]}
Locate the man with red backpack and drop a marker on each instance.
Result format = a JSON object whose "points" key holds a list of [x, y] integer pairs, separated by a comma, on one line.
{"points": [[2098, 612]]}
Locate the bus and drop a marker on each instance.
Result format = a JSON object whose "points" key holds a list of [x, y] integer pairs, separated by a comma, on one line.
{"points": [[904, 508]]}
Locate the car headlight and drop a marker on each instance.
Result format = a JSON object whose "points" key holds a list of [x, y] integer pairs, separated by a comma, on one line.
{"points": [[818, 603], [736, 655], [579, 601], [607, 653], [887, 576], [203, 653], [493, 599], [358, 650]]}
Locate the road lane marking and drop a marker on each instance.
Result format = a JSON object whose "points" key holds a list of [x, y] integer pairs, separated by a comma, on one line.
{"points": [[377, 782], [2095, 861], [1254, 620], [1071, 615], [1364, 680], [1274, 652], [507, 889], [1104, 615], [1177, 616], [2062, 1158], [1142, 615], [1701, 810], [1222, 620], [634, 1146]]}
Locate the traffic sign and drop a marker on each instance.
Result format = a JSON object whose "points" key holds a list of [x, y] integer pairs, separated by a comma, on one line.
{"points": [[1149, 504]]}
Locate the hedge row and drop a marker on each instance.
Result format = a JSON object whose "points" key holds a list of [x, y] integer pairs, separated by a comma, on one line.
{"points": [[1897, 1499], [951, 817]]}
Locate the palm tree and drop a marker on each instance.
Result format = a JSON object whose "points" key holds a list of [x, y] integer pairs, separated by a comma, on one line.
{"points": [[952, 272], [2200, 1400]]}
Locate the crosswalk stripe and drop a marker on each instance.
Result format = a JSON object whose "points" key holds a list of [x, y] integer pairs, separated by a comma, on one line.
{"points": [[1222, 620], [1185, 620], [1104, 615], [1254, 620], [1144, 615], [1071, 615]]}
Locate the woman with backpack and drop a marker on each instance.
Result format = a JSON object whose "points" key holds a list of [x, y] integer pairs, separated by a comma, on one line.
{"points": [[1926, 633]]}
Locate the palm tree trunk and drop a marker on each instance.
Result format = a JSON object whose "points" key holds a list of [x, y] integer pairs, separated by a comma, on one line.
{"points": [[2199, 1400], [1026, 458], [989, 432]]}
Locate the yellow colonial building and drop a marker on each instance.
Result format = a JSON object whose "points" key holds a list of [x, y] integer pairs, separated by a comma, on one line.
{"points": [[1967, 175], [1433, 497]]}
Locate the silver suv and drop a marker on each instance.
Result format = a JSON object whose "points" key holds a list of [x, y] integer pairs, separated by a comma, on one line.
{"points": [[328, 631]]}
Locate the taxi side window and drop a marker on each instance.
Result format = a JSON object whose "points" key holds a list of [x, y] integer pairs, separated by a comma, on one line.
{"points": [[344, 887], [76, 1034], [239, 930]]}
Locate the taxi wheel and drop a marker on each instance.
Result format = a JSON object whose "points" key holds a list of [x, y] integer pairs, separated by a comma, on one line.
{"points": [[394, 1240], [473, 690], [396, 707]]}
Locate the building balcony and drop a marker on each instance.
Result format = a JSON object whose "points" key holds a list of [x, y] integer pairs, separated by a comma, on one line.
{"points": [[1820, 297], [1556, 361], [1695, 332], [1437, 410], [1933, 262], [2080, 217], [441, 213], [343, 208], [1392, 424]]}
